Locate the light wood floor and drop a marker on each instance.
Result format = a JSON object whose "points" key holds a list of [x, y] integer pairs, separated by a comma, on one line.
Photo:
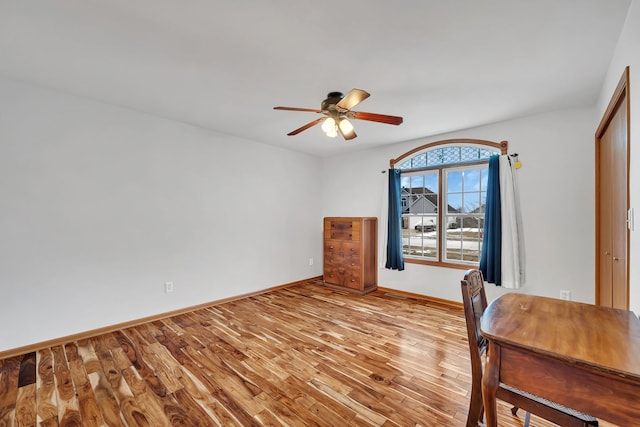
{"points": [[299, 356]]}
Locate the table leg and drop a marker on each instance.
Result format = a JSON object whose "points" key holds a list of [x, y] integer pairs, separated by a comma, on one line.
{"points": [[490, 383]]}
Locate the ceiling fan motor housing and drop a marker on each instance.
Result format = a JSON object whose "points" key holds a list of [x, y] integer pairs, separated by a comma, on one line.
{"points": [[332, 99]]}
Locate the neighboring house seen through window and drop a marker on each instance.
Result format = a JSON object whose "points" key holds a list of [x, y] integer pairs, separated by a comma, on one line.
{"points": [[443, 197]]}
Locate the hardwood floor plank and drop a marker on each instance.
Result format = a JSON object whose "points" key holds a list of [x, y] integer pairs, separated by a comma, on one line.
{"points": [[27, 375], [230, 393], [26, 410], [9, 373], [151, 410], [132, 345], [195, 415], [90, 413], [196, 381], [100, 385], [303, 355], [46, 399], [68, 406]]}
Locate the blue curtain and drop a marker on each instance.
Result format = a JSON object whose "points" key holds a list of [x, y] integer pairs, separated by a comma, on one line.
{"points": [[395, 259], [491, 258]]}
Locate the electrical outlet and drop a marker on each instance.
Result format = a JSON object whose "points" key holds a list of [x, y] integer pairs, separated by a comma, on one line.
{"points": [[310, 261], [168, 287], [566, 295]]}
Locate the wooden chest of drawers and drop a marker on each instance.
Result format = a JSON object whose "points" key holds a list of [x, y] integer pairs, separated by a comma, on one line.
{"points": [[350, 253]]}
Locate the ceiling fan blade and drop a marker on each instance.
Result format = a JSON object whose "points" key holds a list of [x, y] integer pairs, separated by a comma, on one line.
{"points": [[353, 98], [305, 127], [310, 110], [373, 117]]}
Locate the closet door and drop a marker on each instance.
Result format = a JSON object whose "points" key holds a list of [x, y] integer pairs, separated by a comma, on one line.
{"points": [[612, 196], [604, 183]]}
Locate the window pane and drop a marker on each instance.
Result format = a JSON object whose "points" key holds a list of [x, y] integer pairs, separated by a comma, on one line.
{"points": [[471, 202], [417, 181], [404, 165], [419, 195], [454, 222], [454, 203], [419, 161], [463, 243], [469, 154], [474, 241], [472, 180], [420, 215], [431, 182], [453, 244], [485, 154], [454, 181], [451, 155], [435, 157], [420, 236], [485, 179]]}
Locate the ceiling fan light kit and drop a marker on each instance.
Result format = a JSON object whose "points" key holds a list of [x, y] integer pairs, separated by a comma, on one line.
{"points": [[337, 109], [329, 127]]}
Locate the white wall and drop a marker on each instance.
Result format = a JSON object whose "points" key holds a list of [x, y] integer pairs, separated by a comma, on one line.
{"points": [[628, 54], [101, 205], [556, 183]]}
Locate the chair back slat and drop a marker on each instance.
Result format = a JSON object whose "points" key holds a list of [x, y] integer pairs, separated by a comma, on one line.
{"points": [[474, 300]]}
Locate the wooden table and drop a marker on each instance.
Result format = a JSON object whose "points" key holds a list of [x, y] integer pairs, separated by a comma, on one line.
{"points": [[583, 356]]}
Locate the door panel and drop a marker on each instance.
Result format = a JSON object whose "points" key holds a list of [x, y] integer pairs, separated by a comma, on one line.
{"points": [[619, 207], [612, 200], [604, 213]]}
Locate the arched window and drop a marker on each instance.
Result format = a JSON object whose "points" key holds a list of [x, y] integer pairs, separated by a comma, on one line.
{"points": [[444, 192]]}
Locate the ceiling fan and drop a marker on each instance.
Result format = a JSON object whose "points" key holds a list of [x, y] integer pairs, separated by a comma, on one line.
{"points": [[337, 110]]}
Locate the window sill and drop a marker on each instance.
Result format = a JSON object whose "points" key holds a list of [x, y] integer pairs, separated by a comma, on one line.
{"points": [[440, 264]]}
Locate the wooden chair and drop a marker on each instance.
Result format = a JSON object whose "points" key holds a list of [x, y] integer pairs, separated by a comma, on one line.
{"points": [[474, 300]]}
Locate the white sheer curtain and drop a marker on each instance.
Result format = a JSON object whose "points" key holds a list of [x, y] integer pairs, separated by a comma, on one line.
{"points": [[513, 254]]}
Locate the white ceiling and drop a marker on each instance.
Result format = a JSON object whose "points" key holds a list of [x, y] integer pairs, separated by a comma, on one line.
{"points": [[224, 64]]}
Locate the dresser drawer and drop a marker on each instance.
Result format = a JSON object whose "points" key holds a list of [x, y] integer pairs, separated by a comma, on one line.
{"points": [[333, 247], [343, 229], [345, 249], [343, 276], [332, 275], [351, 250], [351, 280]]}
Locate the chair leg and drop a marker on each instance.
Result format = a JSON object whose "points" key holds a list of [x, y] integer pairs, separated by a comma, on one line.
{"points": [[474, 417], [527, 418], [476, 410]]}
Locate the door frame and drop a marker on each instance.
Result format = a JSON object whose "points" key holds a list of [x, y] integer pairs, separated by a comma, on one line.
{"points": [[621, 93]]}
